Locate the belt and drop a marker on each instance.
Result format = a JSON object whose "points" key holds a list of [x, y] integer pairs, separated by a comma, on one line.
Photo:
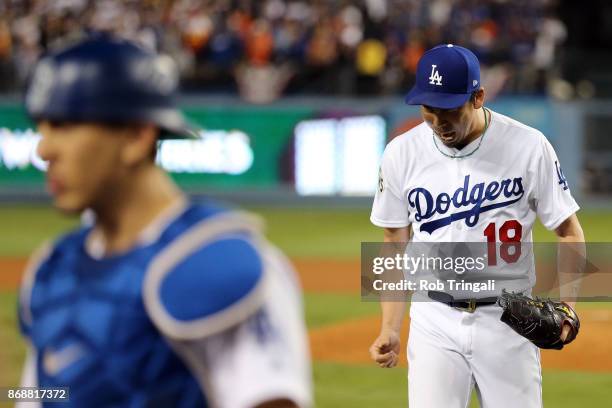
{"points": [[467, 305]]}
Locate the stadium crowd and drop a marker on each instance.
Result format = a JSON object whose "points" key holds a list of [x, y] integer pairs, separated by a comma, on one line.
{"points": [[265, 48]]}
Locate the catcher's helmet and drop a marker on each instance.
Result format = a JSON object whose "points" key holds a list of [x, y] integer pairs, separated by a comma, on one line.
{"points": [[108, 80]]}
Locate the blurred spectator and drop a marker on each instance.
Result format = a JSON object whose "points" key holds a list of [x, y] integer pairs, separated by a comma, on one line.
{"points": [[197, 30], [412, 53], [262, 83], [370, 62], [6, 52], [259, 43], [319, 46], [551, 34]]}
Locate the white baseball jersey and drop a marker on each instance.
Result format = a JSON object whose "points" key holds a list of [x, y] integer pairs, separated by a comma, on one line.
{"points": [[493, 194]]}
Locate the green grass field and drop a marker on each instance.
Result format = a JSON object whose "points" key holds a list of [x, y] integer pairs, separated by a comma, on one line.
{"points": [[307, 233], [299, 232]]}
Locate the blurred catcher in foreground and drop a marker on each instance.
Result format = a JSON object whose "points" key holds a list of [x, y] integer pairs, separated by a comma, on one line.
{"points": [[161, 302]]}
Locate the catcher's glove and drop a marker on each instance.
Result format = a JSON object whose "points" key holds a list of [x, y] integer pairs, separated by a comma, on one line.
{"points": [[539, 321]]}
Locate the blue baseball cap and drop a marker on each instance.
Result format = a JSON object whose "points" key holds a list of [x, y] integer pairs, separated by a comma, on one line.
{"points": [[446, 77]]}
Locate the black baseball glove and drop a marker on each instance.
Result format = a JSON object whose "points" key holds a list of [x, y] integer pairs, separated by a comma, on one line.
{"points": [[539, 321]]}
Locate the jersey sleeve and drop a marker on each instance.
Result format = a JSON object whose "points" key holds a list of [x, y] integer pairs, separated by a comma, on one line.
{"points": [[390, 208], [258, 361], [554, 201], [231, 309]]}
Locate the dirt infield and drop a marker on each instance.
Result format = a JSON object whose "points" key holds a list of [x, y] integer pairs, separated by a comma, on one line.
{"points": [[10, 272], [348, 341], [329, 275], [316, 275]]}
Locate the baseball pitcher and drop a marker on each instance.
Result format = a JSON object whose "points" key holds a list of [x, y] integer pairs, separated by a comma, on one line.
{"points": [[469, 174]]}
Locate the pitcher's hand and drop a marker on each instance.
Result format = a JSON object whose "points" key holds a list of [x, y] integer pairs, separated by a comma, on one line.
{"points": [[386, 348]]}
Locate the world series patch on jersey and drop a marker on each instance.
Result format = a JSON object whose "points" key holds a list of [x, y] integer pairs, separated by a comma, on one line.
{"points": [[495, 194], [187, 318]]}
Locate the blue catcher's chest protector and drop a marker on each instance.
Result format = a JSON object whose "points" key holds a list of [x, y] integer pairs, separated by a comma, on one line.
{"points": [[91, 330]]}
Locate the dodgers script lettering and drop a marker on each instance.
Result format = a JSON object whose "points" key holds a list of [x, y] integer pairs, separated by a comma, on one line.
{"points": [[474, 198]]}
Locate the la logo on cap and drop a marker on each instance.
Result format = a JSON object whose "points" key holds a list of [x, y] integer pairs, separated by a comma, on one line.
{"points": [[446, 76], [435, 78]]}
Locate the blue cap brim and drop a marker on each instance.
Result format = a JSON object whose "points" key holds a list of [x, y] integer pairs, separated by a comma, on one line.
{"points": [[436, 99], [184, 131]]}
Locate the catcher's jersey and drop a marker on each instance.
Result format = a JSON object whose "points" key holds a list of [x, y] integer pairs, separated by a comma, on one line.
{"points": [[203, 312], [494, 193]]}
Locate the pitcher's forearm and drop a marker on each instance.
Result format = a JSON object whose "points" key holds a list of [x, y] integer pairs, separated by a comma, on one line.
{"points": [[393, 312], [571, 265], [392, 315], [571, 259]]}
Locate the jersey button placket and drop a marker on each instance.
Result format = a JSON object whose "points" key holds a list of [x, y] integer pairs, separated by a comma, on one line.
{"points": [[457, 230]]}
